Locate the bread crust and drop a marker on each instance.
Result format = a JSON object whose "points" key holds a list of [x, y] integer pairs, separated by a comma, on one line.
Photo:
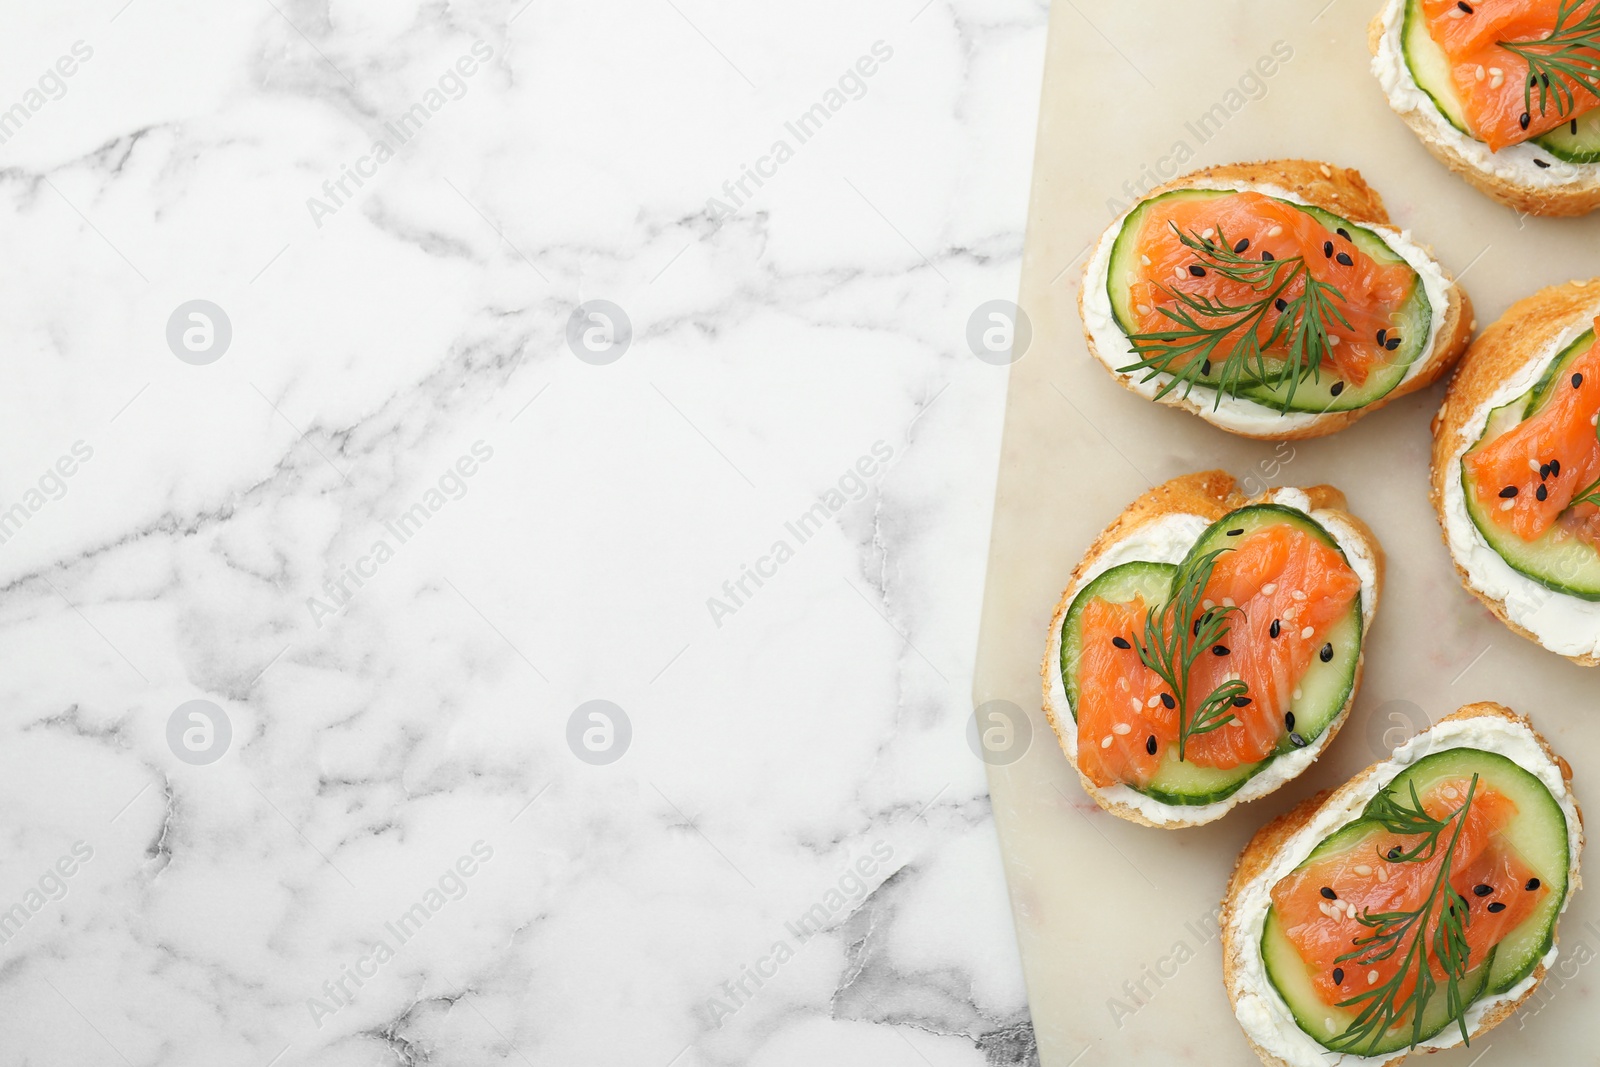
{"points": [[1513, 341], [1529, 200], [1342, 191], [1271, 839], [1211, 495]]}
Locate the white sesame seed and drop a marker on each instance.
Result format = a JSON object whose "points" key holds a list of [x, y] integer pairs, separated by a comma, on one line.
{"points": [[1450, 792], [1270, 588], [1533, 465], [1145, 260], [1333, 340], [1362, 869], [1297, 693], [1383, 874], [1227, 602], [1138, 705], [1298, 594], [1595, 418], [1122, 684], [1208, 233], [1276, 230], [1372, 977], [1144, 309], [1326, 173], [1107, 742], [1121, 728], [1479, 72], [1507, 505], [1307, 632], [1208, 604], [1152, 702], [1322, 906]]}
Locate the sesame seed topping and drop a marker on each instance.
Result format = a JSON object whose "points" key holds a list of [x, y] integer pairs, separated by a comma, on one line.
{"points": [[1168, 702], [1333, 338], [1382, 335], [1392, 343], [1507, 505], [1481, 890], [1241, 702], [1275, 231], [1497, 907], [1329, 894], [1394, 853], [1305, 634], [1327, 249], [1244, 243], [1150, 744], [1121, 642], [1372, 977], [1297, 741], [1541, 164], [1479, 73], [1508, 492], [1533, 465], [1270, 588], [1383, 874], [1464, 6], [1344, 258], [1337, 387], [1326, 173], [1219, 650], [1327, 652], [1121, 728], [1106, 743], [1232, 533], [1298, 594], [1152, 702], [1541, 493], [1555, 468], [1266, 257], [1272, 631], [1338, 976], [1362, 869], [1577, 379], [1288, 720], [1227, 602], [1197, 270], [1205, 367], [1533, 883], [1281, 304], [1524, 121], [1297, 692]]}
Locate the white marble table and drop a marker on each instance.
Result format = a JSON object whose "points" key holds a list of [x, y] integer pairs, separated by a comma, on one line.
{"points": [[296, 426]]}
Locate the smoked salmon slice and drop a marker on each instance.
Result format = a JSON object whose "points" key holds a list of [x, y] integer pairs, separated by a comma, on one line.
{"points": [[1317, 903], [1526, 478], [1290, 589], [1370, 294], [1491, 80]]}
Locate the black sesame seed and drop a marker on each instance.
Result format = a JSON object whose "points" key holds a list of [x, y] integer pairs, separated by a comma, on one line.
{"points": [[1288, 720], [1244, 243], [1297, 741], [1392, 344], [1197, 270], [1344, 258], [1555, 468], [1525, 120], [1328, 893], [1195, 629], [1342, 232], [1241, 702], [1541, 164], [1382, 336], [1497, 907], [1577, 380], [1219, 650], [1394, 853], [1121, 642], [1336, 388], [1544, 471], [1533, 883], [1205, 367], [1481, 890], [1266, 257], [1463, 5], [1236, 533], [1327, 652], [1281, 304], [1546, 79], [1272, 631], [1167, 701], [1508, 492], [1327, 249], [1150, 744], [1338, 976], [1541, 493]]}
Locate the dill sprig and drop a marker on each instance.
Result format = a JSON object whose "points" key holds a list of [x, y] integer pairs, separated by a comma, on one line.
{"points": [[1432, 934], [1202, 325], [1565, 60], [1178, 635]]}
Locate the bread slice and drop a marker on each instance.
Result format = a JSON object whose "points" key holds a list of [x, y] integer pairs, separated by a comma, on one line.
{"points": [[1209, 495], [1528, 332], [1336, 189], [1241, 924], [1509, 176]]}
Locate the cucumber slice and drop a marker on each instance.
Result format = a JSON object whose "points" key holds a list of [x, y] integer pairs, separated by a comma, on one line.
{"points": [[1415, 316], [1576, 142], [1292, 979], [1568, 566], [1430, 67], [1538, 833], [1324, 689]]}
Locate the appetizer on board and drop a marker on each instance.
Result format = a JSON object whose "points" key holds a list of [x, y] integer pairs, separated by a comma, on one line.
{"points": [[1273, 300], [1209, 646], [1412, 908], [1516, 469], [1506, 93]]}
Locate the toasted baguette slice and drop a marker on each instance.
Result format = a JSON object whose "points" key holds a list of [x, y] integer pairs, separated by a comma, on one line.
{"points": [[1510, 176], [1530, 334], [1336, 189], [1283, 843], [1208, 495]]}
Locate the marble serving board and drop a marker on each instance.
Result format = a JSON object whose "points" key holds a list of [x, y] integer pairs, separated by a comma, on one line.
{"points": [[1117, 921]]}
